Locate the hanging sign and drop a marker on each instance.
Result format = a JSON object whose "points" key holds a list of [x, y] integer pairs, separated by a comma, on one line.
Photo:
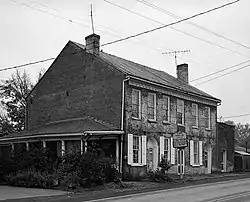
{"points": [[180, 140]]}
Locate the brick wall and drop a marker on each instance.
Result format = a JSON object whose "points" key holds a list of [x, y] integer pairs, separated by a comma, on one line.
{"points": [[144, 127], [77, 84]]}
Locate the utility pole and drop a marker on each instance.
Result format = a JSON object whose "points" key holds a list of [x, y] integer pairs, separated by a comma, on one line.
{"points": [[174, 53]]}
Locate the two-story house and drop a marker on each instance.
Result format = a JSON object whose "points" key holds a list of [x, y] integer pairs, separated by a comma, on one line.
{"points": [[89, 99]]}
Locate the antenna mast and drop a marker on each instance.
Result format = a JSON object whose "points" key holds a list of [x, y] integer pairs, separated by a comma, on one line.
{"points": [[92, 22], [174, 53]]}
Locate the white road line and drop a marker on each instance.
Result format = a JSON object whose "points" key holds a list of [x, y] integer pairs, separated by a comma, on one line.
{"points": [[226, 198], [166, 190]]}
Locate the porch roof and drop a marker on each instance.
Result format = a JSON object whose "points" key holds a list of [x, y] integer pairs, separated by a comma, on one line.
{"points": [[63, 128]]}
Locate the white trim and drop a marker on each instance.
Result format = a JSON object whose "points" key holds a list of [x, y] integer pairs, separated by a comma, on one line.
{"points": [[81, 146], [144, 150], [44, 144], [162, 139], [191, 152], [139, 113], [200, 153]]}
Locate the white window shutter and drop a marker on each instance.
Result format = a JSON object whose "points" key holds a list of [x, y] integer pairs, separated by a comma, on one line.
{"points": [[200, 152], [144, 150], [130, 149], [172, 151], [161, 147], [191, 149]]}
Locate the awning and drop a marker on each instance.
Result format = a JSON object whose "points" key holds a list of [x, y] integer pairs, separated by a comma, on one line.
{"points": [[85, 127]]}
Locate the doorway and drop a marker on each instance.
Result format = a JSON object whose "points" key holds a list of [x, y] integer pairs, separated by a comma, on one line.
{"points": [[152, 154], [180, 161]]}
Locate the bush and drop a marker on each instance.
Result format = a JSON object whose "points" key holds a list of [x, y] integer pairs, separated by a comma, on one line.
{"points": [[32, 179]]}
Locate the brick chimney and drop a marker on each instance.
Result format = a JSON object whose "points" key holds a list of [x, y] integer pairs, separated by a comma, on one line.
{"points": [[182, 72], [93, 44]]}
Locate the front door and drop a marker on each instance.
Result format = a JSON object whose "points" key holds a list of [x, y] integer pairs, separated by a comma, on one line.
{"points": [[180, 161], [150, 158]]}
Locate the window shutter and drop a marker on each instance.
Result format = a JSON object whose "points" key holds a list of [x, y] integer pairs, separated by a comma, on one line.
{"points": [[191, 148], [144, 150], [161, 147], [130, 149], [172, 151], [200, 152]]}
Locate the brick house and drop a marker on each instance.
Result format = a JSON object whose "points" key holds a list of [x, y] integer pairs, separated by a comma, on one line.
{"points": [[88, 98]]}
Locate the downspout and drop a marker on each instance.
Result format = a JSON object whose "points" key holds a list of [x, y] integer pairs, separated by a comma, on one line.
{"points": [[122, 122]]}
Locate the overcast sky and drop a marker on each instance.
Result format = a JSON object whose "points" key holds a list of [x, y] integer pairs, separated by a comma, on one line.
{"points": [[33, 30]]}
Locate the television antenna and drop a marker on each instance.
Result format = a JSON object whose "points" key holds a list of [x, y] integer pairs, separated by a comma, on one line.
{"points": [[174, 53]]}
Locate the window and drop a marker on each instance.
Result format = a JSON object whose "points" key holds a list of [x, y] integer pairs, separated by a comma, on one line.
{"points": [[180, 112], [152, 106], [195, 115], [207, 118], [166, 108], [167, 148], [196, 153], [136, 149], [136, 103]]}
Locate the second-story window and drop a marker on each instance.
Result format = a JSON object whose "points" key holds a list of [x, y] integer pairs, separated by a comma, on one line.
{"points": [[152, 106], [207, 118], [136, 103], [166, 108], [195, 115], [180, 112]]}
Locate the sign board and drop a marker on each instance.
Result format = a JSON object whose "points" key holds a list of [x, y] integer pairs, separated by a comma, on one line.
{"points": [[180, 140]]}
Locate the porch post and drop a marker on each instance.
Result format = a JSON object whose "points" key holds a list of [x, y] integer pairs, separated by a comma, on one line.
{"points": [[44, 144], [82, 149], [12, 147], [121, 149], [63, 147], [27, 146], [85, 146], [117, 154]]}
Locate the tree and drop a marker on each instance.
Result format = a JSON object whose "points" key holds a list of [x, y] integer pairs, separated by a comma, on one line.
{"points": [[13, 92], [40, 74], [6, 127]]}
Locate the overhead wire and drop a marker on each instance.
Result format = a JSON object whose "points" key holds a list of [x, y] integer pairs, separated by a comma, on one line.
{"points": [[223, 75], [128, 37], [192, 23], [186, 33]]}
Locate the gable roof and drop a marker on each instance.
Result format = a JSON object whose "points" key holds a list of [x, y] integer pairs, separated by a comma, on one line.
{"points": [[140, 71]]}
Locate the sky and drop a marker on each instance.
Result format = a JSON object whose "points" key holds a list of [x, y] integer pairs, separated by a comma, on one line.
{"points": [[32, 30]]}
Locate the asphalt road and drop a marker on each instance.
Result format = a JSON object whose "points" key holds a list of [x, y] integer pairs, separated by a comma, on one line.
{"points": [[229, 191]]}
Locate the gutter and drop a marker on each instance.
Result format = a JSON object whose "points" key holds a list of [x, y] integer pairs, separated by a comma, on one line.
{"points": [[123, 101], [183, 91], [48, 135]]}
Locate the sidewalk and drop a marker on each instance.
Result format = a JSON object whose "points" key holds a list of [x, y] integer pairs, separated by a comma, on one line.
{"points": [[139, 187], [7, 192]]}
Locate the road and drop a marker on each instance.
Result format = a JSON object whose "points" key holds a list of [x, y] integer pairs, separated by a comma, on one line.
{"points": [[228, 191]]}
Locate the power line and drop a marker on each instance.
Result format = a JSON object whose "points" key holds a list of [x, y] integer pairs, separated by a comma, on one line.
{"points": [[235, 116], [191, 23], [222, 70], [132, 36], [170, 24], [223, 75]]}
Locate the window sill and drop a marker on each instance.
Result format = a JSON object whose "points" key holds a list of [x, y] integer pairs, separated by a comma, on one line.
{"points": [[195, 127], [166, 122], [208, 129], [196, 165], [134, 118], [136, 164], [152, 121], [179, 124]]}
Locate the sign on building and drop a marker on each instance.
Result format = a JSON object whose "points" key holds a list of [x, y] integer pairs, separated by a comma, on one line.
{"points": [[180, 140]]}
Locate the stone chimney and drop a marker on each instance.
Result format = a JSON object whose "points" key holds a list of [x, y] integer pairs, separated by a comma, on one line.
{"points": [[182, 72], [93, 44]]}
